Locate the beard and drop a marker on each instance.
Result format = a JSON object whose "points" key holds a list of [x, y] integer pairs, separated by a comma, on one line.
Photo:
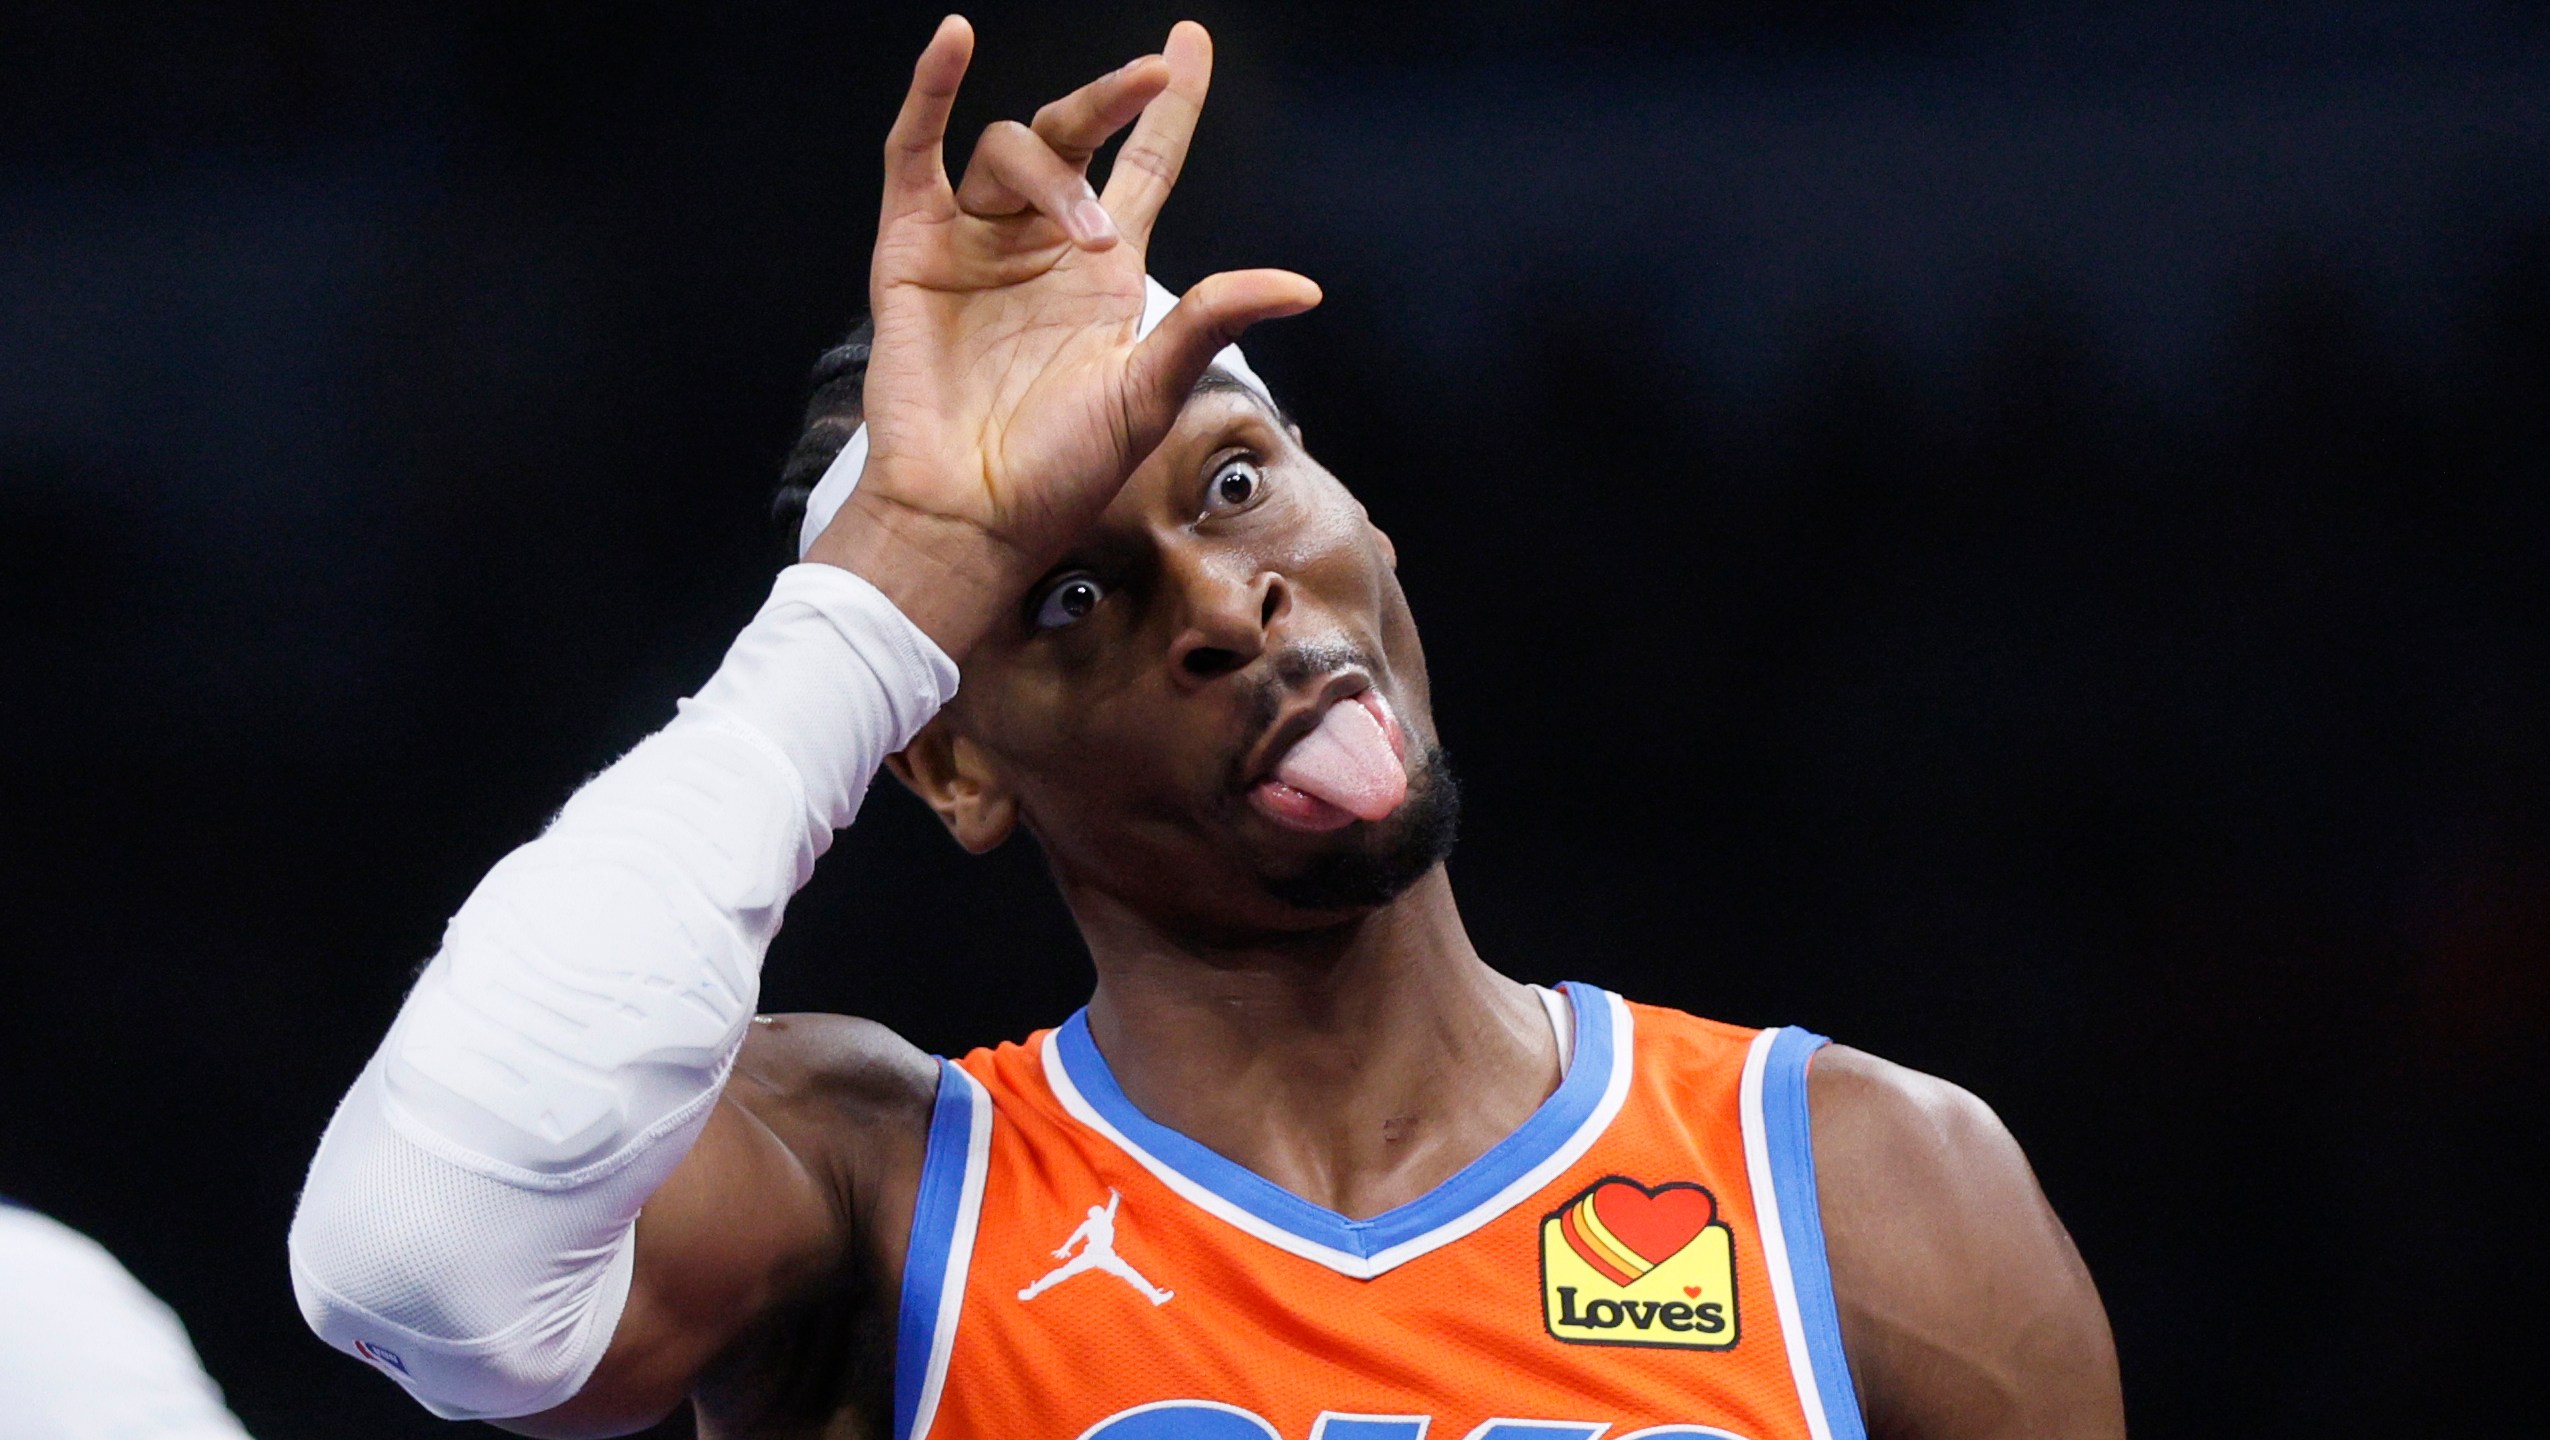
{"points": [[1373, 861], [1384, 857]]}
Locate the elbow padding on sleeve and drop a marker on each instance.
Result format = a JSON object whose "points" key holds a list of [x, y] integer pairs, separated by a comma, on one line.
{"points": [[482, 1299]]}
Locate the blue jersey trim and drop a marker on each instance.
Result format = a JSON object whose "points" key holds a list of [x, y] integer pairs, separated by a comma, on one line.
{"points": [[1788, 1135], [1559, 1117], [925, 1263]]}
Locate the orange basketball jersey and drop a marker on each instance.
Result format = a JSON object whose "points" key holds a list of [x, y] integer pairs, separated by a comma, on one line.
{"points": [[1642, 1258]]}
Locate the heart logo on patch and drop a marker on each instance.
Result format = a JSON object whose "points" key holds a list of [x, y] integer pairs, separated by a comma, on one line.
{"points": [[1624, 1229], [1654, 1223]]}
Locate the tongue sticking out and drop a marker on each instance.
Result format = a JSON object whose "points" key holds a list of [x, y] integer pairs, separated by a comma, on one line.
{"points": [[1348, 762]]}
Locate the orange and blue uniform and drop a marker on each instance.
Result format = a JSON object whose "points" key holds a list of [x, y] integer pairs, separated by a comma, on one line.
{"points": [[1642, 1258]]}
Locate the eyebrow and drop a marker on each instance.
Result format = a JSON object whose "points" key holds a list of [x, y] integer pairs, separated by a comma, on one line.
{"points": [[1223, 382]]}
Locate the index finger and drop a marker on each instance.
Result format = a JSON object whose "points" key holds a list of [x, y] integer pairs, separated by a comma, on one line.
{"points": [[914, 168], [1146, 168]]}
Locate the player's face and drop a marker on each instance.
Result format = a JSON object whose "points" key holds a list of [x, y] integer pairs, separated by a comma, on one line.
{"points": [[1135, 706]]}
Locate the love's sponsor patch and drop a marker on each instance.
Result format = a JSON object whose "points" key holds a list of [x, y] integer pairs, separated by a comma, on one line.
{"points": [[1631, 1264]]}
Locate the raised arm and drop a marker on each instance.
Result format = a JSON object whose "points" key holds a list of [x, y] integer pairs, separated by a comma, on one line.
{"points": [[472, 1224]]}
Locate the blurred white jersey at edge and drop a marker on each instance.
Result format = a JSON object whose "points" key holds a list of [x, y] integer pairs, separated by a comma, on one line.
{"points": [[86, 1353]]}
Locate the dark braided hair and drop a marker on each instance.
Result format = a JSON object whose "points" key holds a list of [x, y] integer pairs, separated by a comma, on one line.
{"points": [[839, 385]]}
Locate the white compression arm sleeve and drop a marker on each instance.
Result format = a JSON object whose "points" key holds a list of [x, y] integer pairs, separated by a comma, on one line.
{"points": [[468, 1225]]}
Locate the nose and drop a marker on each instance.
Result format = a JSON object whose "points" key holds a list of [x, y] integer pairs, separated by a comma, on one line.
{"points": [[1227, 616]]}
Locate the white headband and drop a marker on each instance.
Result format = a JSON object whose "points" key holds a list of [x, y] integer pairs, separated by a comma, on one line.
{"points": [[842, 475]]}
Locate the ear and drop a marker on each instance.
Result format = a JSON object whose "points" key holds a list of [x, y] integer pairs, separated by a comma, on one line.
{"points": [[956, 779], [1389, 549]]}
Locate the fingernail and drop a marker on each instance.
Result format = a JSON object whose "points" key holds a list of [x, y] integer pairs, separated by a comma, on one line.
{"points": [[1092, 220]]}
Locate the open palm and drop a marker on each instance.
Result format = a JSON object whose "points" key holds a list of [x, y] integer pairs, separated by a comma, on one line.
{"points": [[1009, 393]]}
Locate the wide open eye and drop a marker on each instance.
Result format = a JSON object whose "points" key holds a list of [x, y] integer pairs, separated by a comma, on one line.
{"points": [[1235, 483], [1068, 601]]}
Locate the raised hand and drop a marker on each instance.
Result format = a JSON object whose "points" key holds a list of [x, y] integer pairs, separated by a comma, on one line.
{"points": [[1008, 397]]}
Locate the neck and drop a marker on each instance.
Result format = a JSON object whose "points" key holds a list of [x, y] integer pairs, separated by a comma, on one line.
{"points": [[1357, 1068]]}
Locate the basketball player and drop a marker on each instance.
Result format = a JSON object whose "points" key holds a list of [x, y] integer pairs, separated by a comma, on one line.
{"points": [[1306, 1167]]}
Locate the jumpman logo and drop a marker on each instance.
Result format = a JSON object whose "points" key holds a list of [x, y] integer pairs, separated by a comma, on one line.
{"points": [[1096, 1238]]}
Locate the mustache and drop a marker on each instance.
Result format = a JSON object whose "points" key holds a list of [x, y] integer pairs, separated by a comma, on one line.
{"points": [[1295, 667]]}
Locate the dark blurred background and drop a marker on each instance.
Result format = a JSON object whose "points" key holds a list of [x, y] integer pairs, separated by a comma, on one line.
{"points": [[2014, 535]]}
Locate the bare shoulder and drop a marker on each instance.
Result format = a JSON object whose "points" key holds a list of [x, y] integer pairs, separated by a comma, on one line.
{"points": [[1873, 1115], [852, 1100], [1966, 1309], [838, 1067]]}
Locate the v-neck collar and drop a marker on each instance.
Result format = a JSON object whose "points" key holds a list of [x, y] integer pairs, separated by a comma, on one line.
{"points": [[1552, 1138]]}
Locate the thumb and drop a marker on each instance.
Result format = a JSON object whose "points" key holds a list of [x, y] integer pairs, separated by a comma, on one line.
{"points": [[1166, 365]]}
